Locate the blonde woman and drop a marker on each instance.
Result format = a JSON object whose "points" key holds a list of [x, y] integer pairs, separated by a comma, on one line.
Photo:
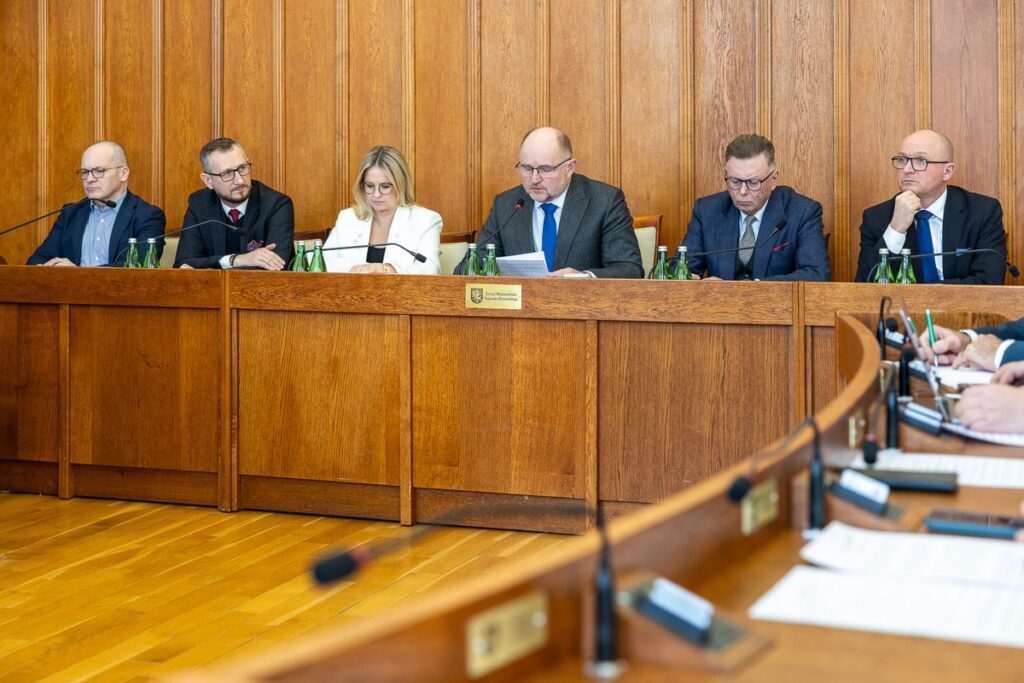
{"points": [[384, 211]]}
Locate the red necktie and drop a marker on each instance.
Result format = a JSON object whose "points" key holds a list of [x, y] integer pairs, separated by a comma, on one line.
{"points": [[235, 215]]}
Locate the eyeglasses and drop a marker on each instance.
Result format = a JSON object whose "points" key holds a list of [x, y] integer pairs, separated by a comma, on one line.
{"points": [[383, 188], [917, 163], [229, 175], [753, 184], [544, 171], [97, 172]]}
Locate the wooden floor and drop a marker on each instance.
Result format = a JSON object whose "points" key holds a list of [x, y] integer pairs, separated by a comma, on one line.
{"points": [[121, 591]]}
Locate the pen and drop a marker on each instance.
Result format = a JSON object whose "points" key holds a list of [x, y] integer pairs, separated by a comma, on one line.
{"points": [[931, 331]]}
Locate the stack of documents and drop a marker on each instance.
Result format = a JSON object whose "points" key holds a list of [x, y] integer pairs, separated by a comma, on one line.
{"points": [[932, 586], [971, 470], [954, 377]]}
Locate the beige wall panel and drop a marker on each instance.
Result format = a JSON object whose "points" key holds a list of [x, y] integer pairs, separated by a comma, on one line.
{"points": [[443, 119], [650, 112]]}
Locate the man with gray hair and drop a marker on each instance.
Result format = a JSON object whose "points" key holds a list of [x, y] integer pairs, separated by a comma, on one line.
{"points": [[95, 230], [760, 230], [239, 222], [929, 216]]}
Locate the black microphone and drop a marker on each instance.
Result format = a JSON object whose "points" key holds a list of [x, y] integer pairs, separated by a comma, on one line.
{"points": [[416, 255], [179, 230], [520, 203], [884, 304], [744, 482], [870, 447], [108, 202], [605, 661], [778, 228], [816, 493], [1014, 271]]}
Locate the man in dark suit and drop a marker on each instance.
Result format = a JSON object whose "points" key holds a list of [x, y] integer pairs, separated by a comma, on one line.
{"points": [[250, 225], [763, 231], [987, 348], [583, 226], [929, 215], [93, 233]]}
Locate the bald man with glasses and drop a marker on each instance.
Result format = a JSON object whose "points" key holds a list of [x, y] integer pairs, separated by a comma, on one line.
{"points": [[929, 215], [240, 222], [95, 230]]}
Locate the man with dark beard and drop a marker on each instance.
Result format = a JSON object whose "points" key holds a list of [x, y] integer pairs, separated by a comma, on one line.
{"points": [[250, 225]]}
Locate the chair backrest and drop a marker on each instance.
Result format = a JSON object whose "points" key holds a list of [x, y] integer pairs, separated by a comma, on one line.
{"points": [[455, 237], [309, 236], [451, 254], [170, 250], [648, 232]]}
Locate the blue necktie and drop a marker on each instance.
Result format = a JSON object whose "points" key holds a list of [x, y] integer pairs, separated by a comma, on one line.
{"points": [[924, 241], [547, 240]]}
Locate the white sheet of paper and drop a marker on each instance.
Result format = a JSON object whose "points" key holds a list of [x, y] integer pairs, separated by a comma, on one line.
{"points": [[524, 265], [971, 470], [925, 556], [954, 377], [930, 608]]}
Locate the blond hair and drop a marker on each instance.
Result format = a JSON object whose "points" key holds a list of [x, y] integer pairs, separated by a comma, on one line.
{"points": [[391, 162]]}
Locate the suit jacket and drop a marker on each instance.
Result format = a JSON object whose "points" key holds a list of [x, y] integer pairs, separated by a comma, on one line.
{"points": [[135, 218], [595, 231], [413, 227], [269, 219], [796, 252], [971, 221], [1009, 330]]}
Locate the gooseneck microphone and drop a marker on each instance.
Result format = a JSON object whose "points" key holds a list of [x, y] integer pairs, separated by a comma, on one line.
{"points": [[1014, 271], [605, 664], [520, 203], [108, 202], [179, 230], [870, 446], [774, 233], [416, 255], [744, 482], [816, 497], [884, 304]]}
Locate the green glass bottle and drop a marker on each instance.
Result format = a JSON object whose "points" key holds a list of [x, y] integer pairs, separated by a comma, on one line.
{"points": [[316, 264], [299, 264], [906, 274], [491, 262], [131, 260], [681, 271], [883, 273], [151, 261], [660, 269], [472, 267]]}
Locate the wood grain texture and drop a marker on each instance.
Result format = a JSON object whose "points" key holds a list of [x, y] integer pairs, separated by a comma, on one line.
{"points": [[29, 416], [111, 287], [319, 396], [341, 499], [669, 418], [148, 484], [490, 426], [151, 404]]}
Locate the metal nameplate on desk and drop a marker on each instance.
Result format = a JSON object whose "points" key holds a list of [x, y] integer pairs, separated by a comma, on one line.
{"points": [[505, 633], [760, 506], [480, 295]]}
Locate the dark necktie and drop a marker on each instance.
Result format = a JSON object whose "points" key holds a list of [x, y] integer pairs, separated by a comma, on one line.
{"points": [[924, 240], [747, 241], [549, 235]]}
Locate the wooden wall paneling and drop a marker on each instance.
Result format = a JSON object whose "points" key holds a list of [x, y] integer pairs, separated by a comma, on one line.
{"points": [[20, 52], [71, 95], [650, 112], [375, 39], [965, 88], [130, 89], [578, 85], [310, 114], [1007, 121], [445, 121], [297, 374], [726, 59], [189, 64], [1016, 238], [881, 97], [497, 405], [252, 83], [65, 477], [29, 414], [670, 418], [839, 246], [508, 98], [802, 125], [164, 368]]}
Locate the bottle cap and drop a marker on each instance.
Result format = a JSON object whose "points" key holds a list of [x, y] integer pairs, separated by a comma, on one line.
{"points": [[904, 252], [490, 245], [317, 243], [150, 240], [132, 240], [662, 247]]}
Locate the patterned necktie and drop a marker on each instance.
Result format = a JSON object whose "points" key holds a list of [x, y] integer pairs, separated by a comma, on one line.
{"points": [[547, 241], [747, 241], [235, 216], [924, 241]]}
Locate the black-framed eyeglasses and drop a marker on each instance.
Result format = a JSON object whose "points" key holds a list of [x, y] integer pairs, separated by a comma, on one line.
{"points": [[383, 188], [753, 184], [97, 172], [917, 163], [229, 175], [544, 171]]}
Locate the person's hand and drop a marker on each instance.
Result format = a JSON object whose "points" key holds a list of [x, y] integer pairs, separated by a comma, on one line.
{"points": [[907, 206], [981, 353], [185, 266], [58, 261], [264, 258], [1011, 373], [372, 268], [567, 272], [992, 408], [948, 345], [712, 277]]}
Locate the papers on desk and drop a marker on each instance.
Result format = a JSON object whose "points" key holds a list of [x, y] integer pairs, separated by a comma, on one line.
{"points": [[954, 377], [524, 265], [930, 416], [925, 585], [971, 470]]}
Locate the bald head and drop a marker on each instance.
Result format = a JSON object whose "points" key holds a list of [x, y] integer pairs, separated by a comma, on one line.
{"points": [[930, 139], [108, 159], [550, 138], [930, 182], [545, 163], [106, 149]]}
